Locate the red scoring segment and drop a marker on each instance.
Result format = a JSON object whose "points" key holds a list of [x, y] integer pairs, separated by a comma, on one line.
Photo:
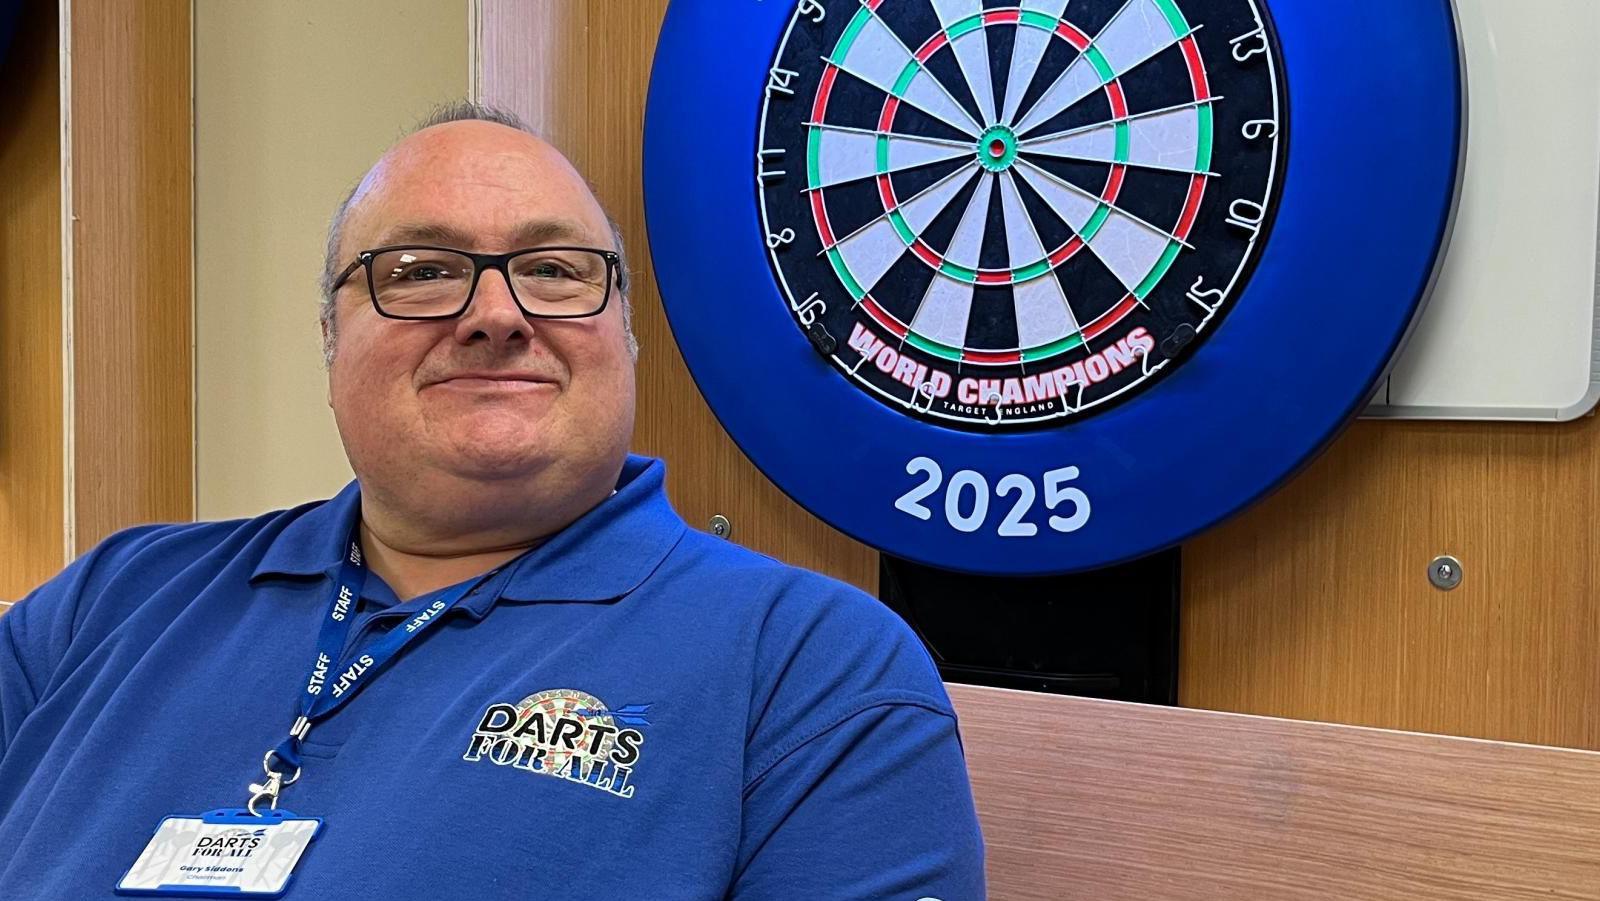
{"points": [[991, 358], [820, 212], [1074, 37], [1191, 207], [931, 47], [1202, 93], [891, 105], [1110, 318], [1197, 68], [882, 317], [824, 85]]}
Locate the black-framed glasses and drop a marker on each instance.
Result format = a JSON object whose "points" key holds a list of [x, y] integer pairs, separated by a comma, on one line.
{"points": [[419, 281]]}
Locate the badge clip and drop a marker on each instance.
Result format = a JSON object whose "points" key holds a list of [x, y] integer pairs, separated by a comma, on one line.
{"points": [[273, 786], [268, 790]]}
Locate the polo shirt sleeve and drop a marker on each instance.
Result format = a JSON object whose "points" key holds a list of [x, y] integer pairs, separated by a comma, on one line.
{"points": [[36, 635], [17, 691], [856, 784], [33, 636]]}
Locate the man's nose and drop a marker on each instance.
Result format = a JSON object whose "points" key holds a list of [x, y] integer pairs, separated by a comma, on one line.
{"points": [[493, 315]]}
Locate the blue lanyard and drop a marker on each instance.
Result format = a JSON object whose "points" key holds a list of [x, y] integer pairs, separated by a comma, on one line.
{"points": [[333, 682]]}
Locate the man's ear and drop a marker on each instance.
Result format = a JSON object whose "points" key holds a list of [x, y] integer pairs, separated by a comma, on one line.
{"points": [[327, 364]]}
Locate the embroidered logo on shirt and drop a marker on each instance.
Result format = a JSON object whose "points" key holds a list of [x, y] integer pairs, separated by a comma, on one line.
{"points": [[564, 733]]}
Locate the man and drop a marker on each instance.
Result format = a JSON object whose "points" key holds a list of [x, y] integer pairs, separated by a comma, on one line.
{"points": [[495, 666]]}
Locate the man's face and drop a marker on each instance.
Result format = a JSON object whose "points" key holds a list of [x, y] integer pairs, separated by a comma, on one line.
{"points": [[492, 394]]}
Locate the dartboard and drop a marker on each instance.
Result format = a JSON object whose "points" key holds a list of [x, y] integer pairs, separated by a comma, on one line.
{"points": [[1003, 221], [559, 704], [1031, 286]]}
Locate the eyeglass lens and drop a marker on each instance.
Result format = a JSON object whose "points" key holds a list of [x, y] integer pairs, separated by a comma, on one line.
{"points": [[419, 281]]}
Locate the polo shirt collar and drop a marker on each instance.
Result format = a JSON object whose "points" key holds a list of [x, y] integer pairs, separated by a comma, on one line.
{"points": [[604, 555], [312, 544]]}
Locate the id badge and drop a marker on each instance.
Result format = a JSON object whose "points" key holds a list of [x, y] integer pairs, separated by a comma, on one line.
{"points": [[224, 853]]}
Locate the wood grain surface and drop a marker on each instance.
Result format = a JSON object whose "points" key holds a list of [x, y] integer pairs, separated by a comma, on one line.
{"points": [[32, 539], [133, 292], [1104, 801], [1316, 605]]}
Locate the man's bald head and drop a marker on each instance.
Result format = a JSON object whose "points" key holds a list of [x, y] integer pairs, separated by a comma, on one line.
{"points": [[440, 140]]}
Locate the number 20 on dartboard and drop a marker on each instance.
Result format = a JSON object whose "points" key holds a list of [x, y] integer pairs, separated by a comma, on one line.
{"points": [[966, 499]]}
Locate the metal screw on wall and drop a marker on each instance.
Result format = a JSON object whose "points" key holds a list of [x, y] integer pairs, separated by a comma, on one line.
{"points": [[1444, 572], [720, 526]]}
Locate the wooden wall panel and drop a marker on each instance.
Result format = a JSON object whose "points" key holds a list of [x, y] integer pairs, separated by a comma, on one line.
{"points": [[31, 498], [579, 71], [1316, 605], [133, 307], [1313, 605], [1102, 801]]}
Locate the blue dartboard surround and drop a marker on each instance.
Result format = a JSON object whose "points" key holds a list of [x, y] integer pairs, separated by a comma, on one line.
{"points": [[1376, 101]]}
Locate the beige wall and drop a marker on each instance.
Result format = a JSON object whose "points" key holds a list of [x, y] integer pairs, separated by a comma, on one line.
{"points": [[293, 100]]}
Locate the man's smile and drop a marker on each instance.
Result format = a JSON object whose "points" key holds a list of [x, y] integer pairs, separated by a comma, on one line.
{"points": [[518, 382]]}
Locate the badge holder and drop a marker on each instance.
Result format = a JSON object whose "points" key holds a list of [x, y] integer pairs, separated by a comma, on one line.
{"points": [[230, 852], [225, 853]]}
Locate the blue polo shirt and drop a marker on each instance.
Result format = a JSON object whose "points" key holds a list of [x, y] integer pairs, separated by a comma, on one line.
{"points": [[714, 724]]}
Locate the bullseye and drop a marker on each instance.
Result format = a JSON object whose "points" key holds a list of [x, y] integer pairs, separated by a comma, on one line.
{"points": [[997, 148]]}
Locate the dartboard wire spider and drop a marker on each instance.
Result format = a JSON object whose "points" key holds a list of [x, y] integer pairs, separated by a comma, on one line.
{"points": [[1021, 116], [1114, 120], [966, 170], [876, 133], [1101, 200], [934, 78]]}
